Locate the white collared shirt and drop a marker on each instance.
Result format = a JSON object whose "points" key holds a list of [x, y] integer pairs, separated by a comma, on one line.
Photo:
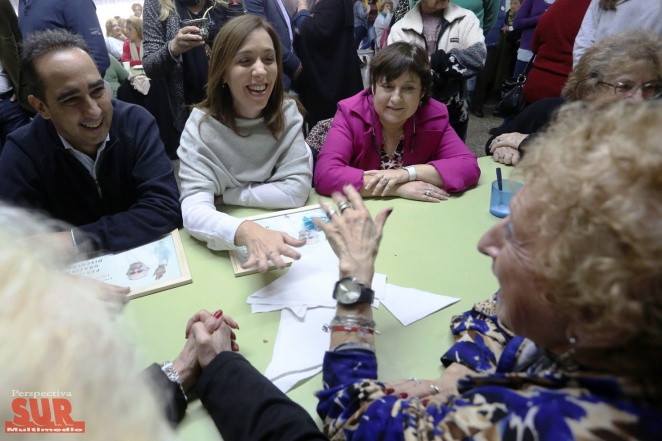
{"points": [[90, 164]]}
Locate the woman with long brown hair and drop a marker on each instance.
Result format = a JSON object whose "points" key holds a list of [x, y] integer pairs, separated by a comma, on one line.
{"points": [[243, 145]]}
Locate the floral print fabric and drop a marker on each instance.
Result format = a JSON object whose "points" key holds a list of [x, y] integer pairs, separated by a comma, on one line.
{"points": [[502, 403]]}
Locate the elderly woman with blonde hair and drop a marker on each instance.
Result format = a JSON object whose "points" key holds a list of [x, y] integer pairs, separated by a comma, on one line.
{"points": [[626, 66], [61, 342], [114, 38], [566, 348]]}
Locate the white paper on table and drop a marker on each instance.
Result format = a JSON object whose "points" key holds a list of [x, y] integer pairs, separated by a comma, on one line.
{"points": [[310, 281], [409, 304], [287, 381], [300, 347], [298, 310]]}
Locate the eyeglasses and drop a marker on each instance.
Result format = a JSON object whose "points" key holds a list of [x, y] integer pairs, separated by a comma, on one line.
{"points": [[650, 90]]}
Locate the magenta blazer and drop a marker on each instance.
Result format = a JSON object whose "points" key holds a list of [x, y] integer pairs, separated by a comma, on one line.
{"points": [[349, 148]]}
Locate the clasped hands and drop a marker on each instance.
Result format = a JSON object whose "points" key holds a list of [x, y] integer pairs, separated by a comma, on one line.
{"points": [[207, 335], [505, 148], [397, 183]]}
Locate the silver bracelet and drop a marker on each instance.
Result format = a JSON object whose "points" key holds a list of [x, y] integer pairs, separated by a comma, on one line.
{"points": [[352, 320], [173, 375], [73, 239], [353, 345]]}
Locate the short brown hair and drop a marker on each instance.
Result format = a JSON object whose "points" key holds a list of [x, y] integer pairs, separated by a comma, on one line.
{"points": [[219, 102], [398, 58]]}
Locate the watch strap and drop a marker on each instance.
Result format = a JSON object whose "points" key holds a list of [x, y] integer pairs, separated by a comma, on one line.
{"points": [[412, 172]]}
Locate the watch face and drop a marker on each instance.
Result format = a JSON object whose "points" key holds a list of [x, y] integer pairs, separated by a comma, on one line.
{"points": [[347, 292]]}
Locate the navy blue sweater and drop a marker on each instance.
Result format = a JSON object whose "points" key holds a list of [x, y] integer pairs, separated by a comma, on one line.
{"points": [[79, 17], [135, 199]]}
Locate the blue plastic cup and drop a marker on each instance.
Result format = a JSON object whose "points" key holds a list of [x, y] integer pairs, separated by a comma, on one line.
{"points": [[500, 199]]}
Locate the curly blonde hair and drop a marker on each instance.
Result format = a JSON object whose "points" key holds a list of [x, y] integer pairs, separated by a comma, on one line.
{"points": [[597, 174], [610, 57], [58, 336]]}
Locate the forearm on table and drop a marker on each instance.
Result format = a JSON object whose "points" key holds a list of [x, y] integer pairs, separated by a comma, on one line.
{"points": [[262, 195], [428, 173], [204, 222]]}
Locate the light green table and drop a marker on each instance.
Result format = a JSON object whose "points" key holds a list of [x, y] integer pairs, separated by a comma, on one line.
{"points": [[431, 247]]}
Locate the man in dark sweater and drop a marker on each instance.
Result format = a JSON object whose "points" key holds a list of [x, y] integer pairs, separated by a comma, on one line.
{"points": [[92, 162]]}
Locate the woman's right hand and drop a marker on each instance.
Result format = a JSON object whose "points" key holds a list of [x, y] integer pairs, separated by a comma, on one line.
{"points": [[430, 391], [421, 191], [264, 245], [187, 38], [353, 234]]}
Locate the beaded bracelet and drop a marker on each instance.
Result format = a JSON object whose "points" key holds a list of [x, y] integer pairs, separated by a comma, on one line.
{"points": [[362, 331]]}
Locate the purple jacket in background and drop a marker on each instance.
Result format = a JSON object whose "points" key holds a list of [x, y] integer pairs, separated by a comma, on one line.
{"points": [[527, 18], [349, 148]]}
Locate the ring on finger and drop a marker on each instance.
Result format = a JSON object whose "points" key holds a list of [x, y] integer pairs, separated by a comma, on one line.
{"points": [[344, 205], [435, 389], [415, 380], [385, 179], [330, 213], [427, 193]]}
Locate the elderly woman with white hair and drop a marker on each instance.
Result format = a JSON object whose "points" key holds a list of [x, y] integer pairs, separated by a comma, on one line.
{"points": [[59, 338], [566, 348]]}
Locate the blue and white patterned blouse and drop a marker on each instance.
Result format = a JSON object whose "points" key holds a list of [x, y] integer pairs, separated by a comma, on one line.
{"points": [[517, 396]]}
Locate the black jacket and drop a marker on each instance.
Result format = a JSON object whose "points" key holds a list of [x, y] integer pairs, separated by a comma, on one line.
{"points": [[243, 403]]}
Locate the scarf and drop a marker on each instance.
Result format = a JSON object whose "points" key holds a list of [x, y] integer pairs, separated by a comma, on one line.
{"points": [[136, 51]]}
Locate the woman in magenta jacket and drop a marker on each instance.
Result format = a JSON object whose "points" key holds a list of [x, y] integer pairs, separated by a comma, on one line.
{"points": [[392, 139]]}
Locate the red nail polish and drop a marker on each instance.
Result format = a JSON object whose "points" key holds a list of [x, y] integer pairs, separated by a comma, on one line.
{"points": [[403, 395], [218, 313], [390, 391], [425, 402]]}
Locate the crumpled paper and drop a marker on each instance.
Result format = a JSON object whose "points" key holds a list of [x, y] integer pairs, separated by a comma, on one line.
{"points": [[140, 83]]}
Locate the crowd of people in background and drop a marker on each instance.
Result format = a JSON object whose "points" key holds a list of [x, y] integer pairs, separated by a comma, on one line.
{"points": [[259, 101]]}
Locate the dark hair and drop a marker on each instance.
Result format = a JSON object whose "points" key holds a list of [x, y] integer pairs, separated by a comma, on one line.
{"points": [[608, 5], [219, 102], [398, 58], [43, 43]]}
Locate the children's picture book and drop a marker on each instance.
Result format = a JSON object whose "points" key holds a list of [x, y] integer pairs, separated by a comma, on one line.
{"points": [[150, 268]]}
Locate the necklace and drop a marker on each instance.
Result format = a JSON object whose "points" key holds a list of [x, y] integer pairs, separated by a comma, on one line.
{"points": [[388, 151]]}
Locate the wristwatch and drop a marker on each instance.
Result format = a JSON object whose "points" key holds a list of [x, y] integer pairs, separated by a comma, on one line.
{"points": [[412, 172], [349, 291]]}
